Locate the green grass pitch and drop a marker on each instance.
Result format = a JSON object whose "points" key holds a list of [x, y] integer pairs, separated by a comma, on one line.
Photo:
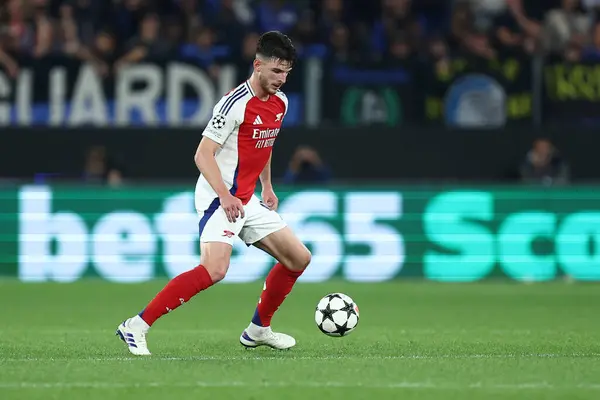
{"points": [[415, 340]]}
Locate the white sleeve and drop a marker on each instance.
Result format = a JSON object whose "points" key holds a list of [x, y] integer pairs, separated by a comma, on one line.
{"points": [[283, 97], [224, 120]]}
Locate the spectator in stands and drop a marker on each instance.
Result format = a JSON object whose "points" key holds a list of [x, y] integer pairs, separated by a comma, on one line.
{"points": [[528, 15], [148, 44], [44, 32], [128, 14], [99, 168], [245, 57], [331, 14], [18, 34], [400, 52], [306, 167], [592, 6], [486, 11], [565, 26], [517, 29], [510, 35], [230, 19], [95, 30], [572, 53], [470, 40], [89, 16], [174, 33], [478, 44], [203, 51], [433, 15], [68, 39], [371, 24], [8, 63], [103, 53], [396, 17], [463, 23], [544, 165], [592, 51], [340, 48], [439, 54], [277, 15], [305, 33]]}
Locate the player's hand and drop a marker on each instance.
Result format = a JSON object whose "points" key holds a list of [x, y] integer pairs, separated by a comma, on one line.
{"points": [[270, 199], [233, 207]]}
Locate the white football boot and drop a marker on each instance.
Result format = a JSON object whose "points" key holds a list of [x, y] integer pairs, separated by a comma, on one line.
{"points": [[133, 332], [255, 336]]}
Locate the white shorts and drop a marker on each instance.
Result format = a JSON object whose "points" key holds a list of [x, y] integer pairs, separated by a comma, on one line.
{"points": [[259, 221]]}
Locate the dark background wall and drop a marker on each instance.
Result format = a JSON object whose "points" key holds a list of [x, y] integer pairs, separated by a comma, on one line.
{"points": [[367, 154]]}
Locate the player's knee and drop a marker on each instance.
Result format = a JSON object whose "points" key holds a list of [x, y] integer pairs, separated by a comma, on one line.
{"points": [[301, 259], [214, 256], [305, 258], [217, 269], [218, 275]]}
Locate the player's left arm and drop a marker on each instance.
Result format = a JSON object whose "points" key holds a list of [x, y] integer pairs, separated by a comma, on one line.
{"points": [[268, 194]]}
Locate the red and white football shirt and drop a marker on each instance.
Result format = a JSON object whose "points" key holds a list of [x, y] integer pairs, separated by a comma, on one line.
{"points": [[246, 128]]}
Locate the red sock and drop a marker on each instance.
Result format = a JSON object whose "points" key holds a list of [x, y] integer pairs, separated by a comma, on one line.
{"points": [[178, 291], [278, 285]]}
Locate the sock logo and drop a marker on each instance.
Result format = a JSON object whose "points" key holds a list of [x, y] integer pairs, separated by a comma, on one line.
{"points": [[181, 300], [168, 309]]}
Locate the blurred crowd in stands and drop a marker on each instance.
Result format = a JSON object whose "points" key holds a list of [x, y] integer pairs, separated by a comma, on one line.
{"points": [[112, 33]]}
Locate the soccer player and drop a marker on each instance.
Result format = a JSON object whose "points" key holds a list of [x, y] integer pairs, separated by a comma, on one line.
{"points": [[234, 153]]}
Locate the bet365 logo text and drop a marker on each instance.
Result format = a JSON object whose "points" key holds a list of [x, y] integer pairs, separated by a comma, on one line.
{"points": [[135, 235], [138, 236]]}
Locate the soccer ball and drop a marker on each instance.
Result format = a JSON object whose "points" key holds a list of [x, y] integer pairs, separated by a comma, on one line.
{"points": [[336, 315]]}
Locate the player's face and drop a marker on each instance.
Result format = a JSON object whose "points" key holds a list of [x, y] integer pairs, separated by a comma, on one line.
{"points": [[272, 74]]}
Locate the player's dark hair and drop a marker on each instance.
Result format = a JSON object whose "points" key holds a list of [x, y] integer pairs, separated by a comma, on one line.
{"points": [[275, 44]]}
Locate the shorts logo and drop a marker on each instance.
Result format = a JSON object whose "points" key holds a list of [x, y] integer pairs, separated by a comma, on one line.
{"points": [[228, 233]]}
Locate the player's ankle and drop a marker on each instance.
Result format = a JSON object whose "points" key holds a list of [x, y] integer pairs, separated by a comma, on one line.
{"points": [[138, 322], [254, 329]]}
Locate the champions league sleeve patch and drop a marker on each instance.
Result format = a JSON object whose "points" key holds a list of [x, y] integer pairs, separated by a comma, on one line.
{"points": [[218, 129], [218, 122]]}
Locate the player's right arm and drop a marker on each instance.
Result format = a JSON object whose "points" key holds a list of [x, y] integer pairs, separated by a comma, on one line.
{"points": [[214, 136], [208, 167]]}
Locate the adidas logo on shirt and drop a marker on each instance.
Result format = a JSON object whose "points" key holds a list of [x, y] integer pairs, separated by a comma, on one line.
{"points": [[258, 120]]}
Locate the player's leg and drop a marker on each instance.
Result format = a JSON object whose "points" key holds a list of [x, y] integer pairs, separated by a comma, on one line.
{"points": [[293, 257], [178, 291], [216, 237], [267, 231]]}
